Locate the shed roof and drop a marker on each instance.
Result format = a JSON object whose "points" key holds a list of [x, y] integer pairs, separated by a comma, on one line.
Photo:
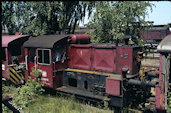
{"points": [[165, 45], [6, 39], [44, 41]]}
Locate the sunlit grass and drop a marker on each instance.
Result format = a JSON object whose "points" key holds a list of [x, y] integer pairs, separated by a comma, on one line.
{"points": [[55, 104]]}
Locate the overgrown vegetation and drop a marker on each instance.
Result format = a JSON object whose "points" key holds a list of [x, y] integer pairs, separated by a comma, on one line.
{"points": [[27, 93], [47, 103], [31, 98], [112, 20], [169, 102]]}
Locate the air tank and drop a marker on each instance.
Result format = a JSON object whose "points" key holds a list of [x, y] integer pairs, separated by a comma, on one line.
{"points": [[79, 39]]}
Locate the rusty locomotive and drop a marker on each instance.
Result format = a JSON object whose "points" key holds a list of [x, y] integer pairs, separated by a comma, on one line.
{"points": [[70, 64], [13, 60], [153, 36]]}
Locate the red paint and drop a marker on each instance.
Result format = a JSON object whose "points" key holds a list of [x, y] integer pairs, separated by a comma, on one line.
{"points": [[5, 71], [126, 57], [46, 69], [80, 57], [113, 87], [104, 58], [6, 39], [79, 38], [159, 99]]}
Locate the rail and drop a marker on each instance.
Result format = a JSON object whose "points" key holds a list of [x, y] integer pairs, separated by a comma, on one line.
{"points": [[10, 106]]}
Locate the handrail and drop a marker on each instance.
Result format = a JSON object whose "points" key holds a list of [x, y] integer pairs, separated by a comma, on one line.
{"points": [[26, 62], [35, 62]]}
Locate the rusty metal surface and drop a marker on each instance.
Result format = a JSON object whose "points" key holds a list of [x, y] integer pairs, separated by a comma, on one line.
{"points": [[165, 45], [44, 41], [114, 76], [104, 58], [113, 86], [80, 38], [80, 57], [155, 33], [78, 92]]}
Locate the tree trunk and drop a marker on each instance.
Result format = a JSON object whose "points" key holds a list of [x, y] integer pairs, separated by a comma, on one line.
{"points": [[74, 26]]}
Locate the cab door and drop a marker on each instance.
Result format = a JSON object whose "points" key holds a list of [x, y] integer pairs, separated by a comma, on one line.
{"points": [[30, 55], [45, 65]]}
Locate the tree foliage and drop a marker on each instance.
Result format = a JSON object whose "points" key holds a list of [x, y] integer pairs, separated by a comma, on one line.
{"points": [[43, 17], [113, 20]]}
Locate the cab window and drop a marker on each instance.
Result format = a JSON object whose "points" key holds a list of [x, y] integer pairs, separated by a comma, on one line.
{"points": [[43, 56]]}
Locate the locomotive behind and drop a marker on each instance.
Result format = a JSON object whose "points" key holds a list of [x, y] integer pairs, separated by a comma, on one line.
{"points": [[13, 60]]}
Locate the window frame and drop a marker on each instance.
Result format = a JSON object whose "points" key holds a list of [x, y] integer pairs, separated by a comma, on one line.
{"points": [[3, 49], [42, 49], [30, 53]]}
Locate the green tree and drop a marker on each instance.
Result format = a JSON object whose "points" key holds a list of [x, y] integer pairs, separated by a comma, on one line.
{"points": [[44, 17], [8, 20], [113, 20]]}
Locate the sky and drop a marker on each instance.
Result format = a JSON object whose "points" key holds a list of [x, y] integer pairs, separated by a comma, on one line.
{"points": [[161, 13]]}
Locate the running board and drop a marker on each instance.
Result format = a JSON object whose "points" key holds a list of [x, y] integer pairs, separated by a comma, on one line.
{"points": [[82, 94]]}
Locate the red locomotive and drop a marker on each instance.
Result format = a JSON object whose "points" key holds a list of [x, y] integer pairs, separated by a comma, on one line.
{"points": [[70, 64]]}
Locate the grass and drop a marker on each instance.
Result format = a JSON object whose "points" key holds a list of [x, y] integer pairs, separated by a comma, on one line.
{"points": [[55, 104]]}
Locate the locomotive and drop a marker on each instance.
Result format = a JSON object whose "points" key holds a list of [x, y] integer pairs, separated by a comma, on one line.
{"points": [[153, 36], [110, 73], [13, 60]]}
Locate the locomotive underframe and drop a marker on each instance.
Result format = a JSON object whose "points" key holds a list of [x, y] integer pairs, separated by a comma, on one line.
{"points": [[91, 85]]}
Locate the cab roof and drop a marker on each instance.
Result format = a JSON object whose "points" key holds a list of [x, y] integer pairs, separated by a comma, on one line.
{"points": [[6, 39], [165, 45], [44, 41]]}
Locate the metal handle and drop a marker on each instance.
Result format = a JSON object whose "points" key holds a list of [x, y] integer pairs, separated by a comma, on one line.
{"points": [[26, 62], [35, 62]]}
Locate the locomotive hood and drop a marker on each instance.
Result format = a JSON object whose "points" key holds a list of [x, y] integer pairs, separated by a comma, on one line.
{"points": [[45, 41]]}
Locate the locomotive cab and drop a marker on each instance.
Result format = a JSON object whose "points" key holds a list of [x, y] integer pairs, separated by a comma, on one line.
{"points": [[46, 53], [13, 57]]}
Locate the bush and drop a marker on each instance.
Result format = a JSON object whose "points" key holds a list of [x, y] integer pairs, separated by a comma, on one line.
{"points": [[26, 94]]}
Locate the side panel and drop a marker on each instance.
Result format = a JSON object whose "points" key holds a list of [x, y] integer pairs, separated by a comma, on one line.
{"points": [[104, 59], [80, 57], [124, 59], [113, 87]]}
